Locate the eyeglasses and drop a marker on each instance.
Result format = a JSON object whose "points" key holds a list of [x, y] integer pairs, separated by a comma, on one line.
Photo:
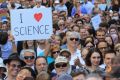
{"points": [[58, 65], [14, 66], [76, 39], [29, 57], [55, 52]]}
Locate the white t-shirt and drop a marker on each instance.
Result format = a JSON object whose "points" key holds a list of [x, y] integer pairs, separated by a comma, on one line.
{"points": [[76, 55]]}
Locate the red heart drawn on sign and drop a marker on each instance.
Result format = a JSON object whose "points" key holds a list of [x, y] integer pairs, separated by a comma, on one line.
{"points": [[38, 16]]}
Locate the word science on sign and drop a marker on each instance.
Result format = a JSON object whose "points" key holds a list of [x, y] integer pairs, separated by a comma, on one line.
{"points": [[31, 24]]}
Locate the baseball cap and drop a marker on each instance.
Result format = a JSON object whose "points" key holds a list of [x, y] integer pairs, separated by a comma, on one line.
{"points": [[61, 59]]}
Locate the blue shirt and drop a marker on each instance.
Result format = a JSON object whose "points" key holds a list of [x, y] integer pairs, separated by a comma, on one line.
{"points": [[88, 7], [60, 8], [6, 50]]}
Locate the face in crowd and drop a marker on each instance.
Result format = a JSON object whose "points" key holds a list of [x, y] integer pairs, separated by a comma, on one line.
{"points": [[41, 64], [29, 58], [14, 67]]}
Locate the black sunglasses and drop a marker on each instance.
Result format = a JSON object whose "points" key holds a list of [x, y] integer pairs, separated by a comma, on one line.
{"points": [[58, 65], [29, 57], [55, 52], [76, 39]]}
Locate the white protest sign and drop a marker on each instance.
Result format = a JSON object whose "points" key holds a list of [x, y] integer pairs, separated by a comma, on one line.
{"points": [[31, 24], [96, 20]]}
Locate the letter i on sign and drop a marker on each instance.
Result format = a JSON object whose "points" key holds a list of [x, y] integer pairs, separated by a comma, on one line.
{"points": [[21, 18]]}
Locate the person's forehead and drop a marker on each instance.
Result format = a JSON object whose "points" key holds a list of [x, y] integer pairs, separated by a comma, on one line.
{"points": [[100, 32], [41, 60], [109, 55], [14, 62], [73, 36], [82, 30], [102, 44], [28, 53], [24, 71]]}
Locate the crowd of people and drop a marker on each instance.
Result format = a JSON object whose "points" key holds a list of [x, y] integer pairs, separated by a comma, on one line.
{"points": [[77, 50]]}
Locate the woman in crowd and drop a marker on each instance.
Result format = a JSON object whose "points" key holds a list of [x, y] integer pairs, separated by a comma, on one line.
{"points": [[110, 42], [29, 44], [93, 60]]}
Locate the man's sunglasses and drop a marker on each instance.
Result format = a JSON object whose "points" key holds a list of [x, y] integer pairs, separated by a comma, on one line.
{"points": [[76, 39], [29, 57], [58, 65]]}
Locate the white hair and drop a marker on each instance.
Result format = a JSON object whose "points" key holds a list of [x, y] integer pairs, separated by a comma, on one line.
{"points": [[26, 50], [73, 34]]}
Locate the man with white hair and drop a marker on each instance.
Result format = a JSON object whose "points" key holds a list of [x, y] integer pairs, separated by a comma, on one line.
{"points": [[72, 44]]}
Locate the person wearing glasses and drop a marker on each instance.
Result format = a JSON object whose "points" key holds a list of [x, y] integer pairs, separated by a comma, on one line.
{"points": [[72, 44], [55, 51], [61, 66], [28, 56], [13, 64], [102, 46]]}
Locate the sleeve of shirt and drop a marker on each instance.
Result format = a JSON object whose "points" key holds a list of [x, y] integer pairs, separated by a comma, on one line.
{"points": [[73, 12]]}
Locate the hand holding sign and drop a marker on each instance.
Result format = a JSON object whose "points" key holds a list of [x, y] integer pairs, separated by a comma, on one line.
{"points": [[31, 24]]}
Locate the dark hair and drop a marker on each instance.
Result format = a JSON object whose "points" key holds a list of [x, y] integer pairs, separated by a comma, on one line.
{"points": [[79, 20], [104, 24], [62, 16], [112, 45], [29, 78], [91, 51], [99, 30], [61, 1], [41, 57], [88, 43], [115, 72], [100, 42], [3, 37], [111, 51], [31, 70], [55, 25]]}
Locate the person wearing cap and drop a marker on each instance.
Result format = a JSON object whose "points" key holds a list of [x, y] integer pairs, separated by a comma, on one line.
{"points": [[61, 66], [66, 53], [13, 64], [38, 4]]}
